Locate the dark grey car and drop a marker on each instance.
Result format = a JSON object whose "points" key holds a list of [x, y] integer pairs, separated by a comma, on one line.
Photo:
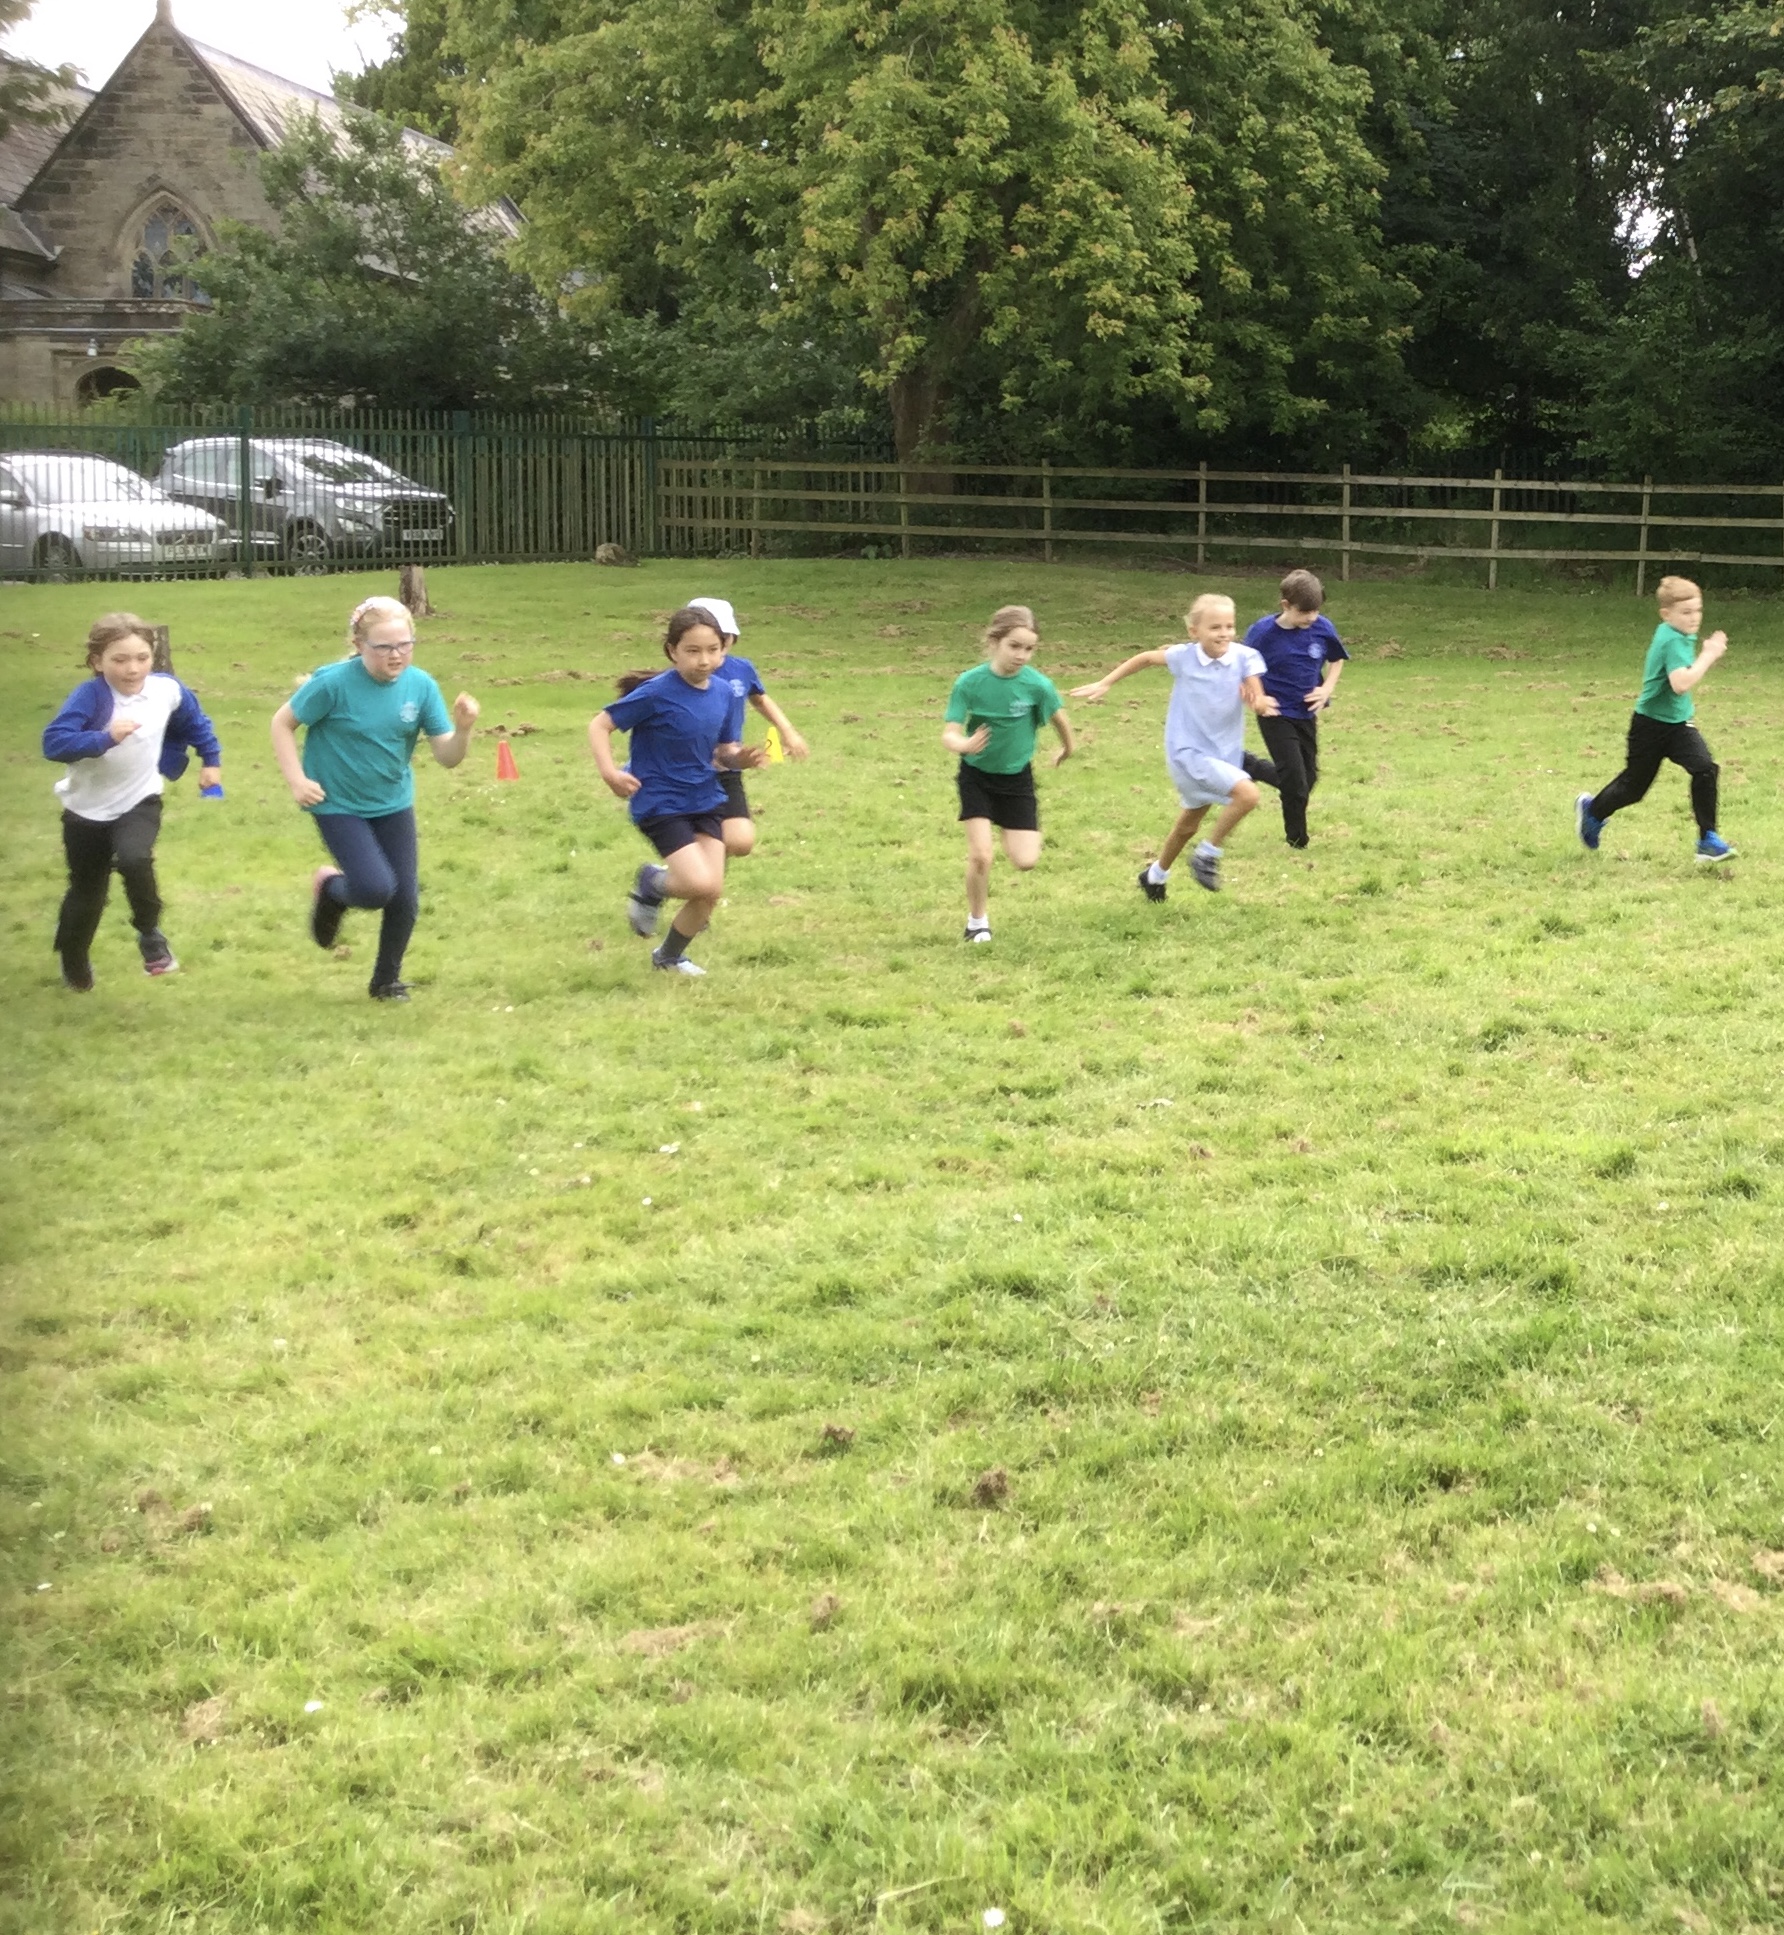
{"points": [[312, 500]]}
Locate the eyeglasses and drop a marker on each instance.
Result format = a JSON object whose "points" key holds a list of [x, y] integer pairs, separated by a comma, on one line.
{"points": [[402, 645]]}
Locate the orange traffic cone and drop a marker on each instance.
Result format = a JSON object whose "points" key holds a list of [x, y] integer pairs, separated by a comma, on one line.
{"points": [[505, 766]]}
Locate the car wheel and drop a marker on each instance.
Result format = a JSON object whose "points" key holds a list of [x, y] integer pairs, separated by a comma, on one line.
{"points": [[307, 550], [57, 561]]}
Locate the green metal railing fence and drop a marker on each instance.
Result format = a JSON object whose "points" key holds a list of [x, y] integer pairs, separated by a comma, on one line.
{"points": [[280, 491]]}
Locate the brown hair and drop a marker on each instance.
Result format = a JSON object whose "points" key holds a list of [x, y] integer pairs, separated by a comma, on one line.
{"points": [[631, 681], [112, 627], [1302, 591], [682, 622], [1674, 591], [1007, 619]]}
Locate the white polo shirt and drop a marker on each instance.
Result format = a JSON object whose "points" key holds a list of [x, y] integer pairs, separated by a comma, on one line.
{"points": [[108, 787]]}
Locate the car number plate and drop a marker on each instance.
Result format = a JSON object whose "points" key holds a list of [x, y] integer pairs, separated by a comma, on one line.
{"points": [[431, 535]]}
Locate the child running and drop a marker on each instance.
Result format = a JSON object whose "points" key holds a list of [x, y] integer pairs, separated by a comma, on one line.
{"points": [[361, 717], [1303, 657], [1214, 680], [123, 733], [745, 683], [1660, 727], [994, 712], [686, 725]]}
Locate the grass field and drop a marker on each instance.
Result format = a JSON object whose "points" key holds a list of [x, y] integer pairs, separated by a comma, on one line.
{"points": [[1262, 1410]]}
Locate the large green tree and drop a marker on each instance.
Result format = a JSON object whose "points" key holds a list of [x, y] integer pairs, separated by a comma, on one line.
{"points": [[378, 283], [30, 93], [1027, 224]]}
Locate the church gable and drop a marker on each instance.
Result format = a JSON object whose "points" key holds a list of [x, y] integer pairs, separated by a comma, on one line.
{"points": [[160, 146]]}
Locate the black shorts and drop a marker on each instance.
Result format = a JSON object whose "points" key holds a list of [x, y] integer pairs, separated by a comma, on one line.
{"points": [[677, 830], [737, 805], [1005, 799]]}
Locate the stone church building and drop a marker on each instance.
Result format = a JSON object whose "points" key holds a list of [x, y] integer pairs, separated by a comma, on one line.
{"points": [[95, 219]]}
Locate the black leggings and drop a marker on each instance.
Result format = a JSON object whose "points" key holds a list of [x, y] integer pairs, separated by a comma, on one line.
{"points": [[1294, 750], [378, 861], [1651, 741], [94, 848]]}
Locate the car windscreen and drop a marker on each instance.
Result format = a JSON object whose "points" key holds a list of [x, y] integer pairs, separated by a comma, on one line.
{"points": [[82, 480], [344, 467]]}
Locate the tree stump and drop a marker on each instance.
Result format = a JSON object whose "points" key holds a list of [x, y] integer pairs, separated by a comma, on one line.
{"points": [[412, 590], [161, 646]]}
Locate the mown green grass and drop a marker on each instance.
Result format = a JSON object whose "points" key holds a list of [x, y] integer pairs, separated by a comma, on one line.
{"points": [[1366, 1281]]}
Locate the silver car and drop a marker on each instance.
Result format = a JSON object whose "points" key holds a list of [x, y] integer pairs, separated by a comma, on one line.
{"points": [[63, 513], [310, 500]]}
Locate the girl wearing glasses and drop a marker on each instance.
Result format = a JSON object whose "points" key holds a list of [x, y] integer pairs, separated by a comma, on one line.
{"points": [[361, 717]]}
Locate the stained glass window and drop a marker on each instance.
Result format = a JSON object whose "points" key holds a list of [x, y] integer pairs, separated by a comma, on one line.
{"points": [[163, 254]]}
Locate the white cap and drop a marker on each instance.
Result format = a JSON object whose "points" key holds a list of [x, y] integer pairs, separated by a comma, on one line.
{"points": [[722, 614]]}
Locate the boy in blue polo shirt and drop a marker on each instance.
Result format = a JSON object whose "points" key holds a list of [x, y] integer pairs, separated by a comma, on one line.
{"points": [[1214, 682], [1303, 656], [1660, 727]]}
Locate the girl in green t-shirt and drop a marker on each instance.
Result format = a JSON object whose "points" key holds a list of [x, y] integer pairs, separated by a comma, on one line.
{"points": [[994, 712]]}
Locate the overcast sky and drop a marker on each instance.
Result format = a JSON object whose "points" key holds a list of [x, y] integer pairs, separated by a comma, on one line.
{"points": [[304, 40]]}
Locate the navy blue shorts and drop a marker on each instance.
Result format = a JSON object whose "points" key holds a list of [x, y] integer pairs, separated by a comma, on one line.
{"points": [[677, 830]]}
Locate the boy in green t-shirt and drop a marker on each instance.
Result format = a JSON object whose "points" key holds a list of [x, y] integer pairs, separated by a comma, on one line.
{"points": [[1661, 727], [994, 712]]}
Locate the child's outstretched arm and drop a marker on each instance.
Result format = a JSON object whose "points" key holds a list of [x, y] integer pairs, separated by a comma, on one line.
{"points": [[1140, 662], [790, 736], [1067, 744], [1252, 691], [600, 743], [1707, 654], [71, 735]]}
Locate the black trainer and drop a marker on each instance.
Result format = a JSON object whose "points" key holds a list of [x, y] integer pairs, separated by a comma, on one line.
{"points": [[326, 913], [1152, 889], [77, 975], [389, 991]]}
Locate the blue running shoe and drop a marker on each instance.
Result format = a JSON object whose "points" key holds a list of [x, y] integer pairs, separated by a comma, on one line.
{"points": [[1587, 828], [1712, 847]]}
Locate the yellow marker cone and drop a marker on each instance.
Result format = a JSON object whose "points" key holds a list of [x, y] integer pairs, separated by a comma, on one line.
{"points": [[776, 751]]}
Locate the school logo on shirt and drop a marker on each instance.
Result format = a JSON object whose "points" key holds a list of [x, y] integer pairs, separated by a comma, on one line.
{"points": [[736, 686], [411, 712]]}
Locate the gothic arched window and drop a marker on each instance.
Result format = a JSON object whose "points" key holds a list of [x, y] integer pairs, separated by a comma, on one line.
{"points": [[163, 256]]}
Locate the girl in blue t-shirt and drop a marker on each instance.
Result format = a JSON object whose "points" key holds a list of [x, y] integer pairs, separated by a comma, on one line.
{"points": [[746, 683], [686, 726], [361, 717]]}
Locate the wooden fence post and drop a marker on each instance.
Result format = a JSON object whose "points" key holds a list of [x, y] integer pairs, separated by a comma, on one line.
{"points": [[1202, 514], [160, 650], [1344, 562], [1493, 540], [904, 517], [756, 508], [1641, 555], [1047, 507]]}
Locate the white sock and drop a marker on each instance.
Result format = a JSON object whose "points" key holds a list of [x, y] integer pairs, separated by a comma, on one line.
{"points": [[1158, 875], [978, 920], [1210, 849]]}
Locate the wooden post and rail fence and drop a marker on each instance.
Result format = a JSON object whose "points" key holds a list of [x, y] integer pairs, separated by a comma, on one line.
{"points": [[536, 488]]}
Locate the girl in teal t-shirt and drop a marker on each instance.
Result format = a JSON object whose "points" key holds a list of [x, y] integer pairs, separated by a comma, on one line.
{"points": [[361, 717], [994, 712]]}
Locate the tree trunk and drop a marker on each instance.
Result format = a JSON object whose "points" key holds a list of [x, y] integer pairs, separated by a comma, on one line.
{"points": [[161, 646], [412, 590]]}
